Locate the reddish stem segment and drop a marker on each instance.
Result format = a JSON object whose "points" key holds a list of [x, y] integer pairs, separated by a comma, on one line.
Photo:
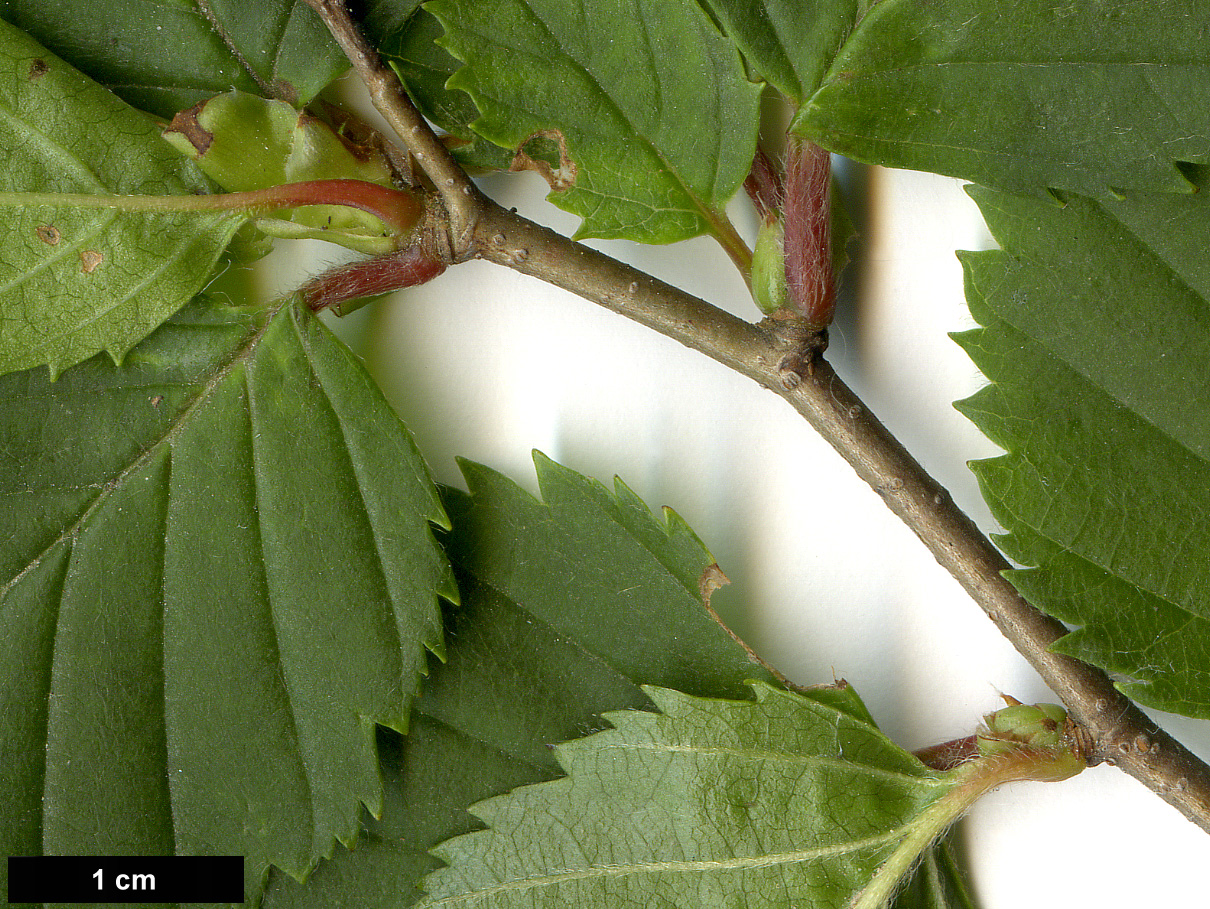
{"points": [[396, 209], [810, 282], [408, 267], [951, 754], [764, 187]]}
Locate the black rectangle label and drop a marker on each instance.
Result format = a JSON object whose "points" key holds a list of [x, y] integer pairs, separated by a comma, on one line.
{"points": [[126, 879]]}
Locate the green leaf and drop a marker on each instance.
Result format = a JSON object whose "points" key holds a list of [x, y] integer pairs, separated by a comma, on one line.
{"points": [[789, 46], [425, 68], [646, 573], [568, 606], [780, 802], [1095, 337], [163, 57], [217, 574], [382, 18], [650, 100], [1086, 96], [1127, 631], [76, 281]]}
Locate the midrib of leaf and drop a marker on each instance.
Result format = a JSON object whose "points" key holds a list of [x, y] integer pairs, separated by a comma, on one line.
{"points": [[803, 760], [152, 450], [781, 40], [1037, 64], [767, 860], [989, 153], [283, 23], [160, 84], [283, 678], [1143, 69]]}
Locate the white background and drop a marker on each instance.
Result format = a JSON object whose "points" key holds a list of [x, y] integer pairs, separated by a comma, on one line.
{"points": [[487, 364]]}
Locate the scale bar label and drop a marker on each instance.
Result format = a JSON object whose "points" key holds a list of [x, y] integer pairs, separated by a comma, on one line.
{"points": [[126, 879]]}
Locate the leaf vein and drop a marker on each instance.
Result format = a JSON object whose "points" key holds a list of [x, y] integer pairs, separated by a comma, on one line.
{"points": [[66, 160], [257, 527], [808, 760], [709, 866], [104, 489]]}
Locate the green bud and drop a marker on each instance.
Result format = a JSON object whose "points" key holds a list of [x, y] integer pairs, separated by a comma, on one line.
{"points": [[769, 269], [1041, 728], [243, 142], [1036, 725]]}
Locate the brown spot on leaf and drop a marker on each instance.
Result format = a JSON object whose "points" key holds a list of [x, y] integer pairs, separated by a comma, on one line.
{"points": [[157, 400], [48, 234], [711, 580], [89, 260], [186, 124], [560, 178], [38, 68]]}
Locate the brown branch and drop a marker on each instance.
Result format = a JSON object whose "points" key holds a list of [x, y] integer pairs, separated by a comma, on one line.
{"points": [[771, 354], [461, 197], [1121, 733]]}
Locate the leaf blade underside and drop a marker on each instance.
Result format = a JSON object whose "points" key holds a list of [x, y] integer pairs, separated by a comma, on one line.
{"points": [[76, 281], [220, 572], [706, 803]]}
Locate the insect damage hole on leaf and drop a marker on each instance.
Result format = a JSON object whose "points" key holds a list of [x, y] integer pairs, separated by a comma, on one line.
{"points": [[561, 178]]}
